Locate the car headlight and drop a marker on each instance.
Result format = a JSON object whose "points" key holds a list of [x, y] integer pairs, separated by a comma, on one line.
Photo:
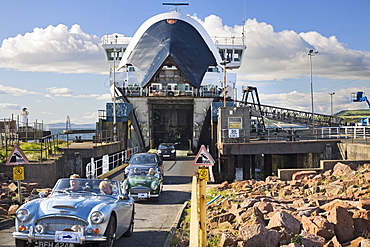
{"points": [[23, 215], [159, 151], [172, 151], [97, 217], [154, 186]]}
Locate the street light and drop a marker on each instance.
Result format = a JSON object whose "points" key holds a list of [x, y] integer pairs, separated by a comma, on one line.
{"points": [[114, 93], [331, 103], [310, 54]]}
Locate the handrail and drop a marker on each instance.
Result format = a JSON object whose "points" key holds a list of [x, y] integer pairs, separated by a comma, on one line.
{"points": [[109, 162]]}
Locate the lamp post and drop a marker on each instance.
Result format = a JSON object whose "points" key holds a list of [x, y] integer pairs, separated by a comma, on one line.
{"points": [[310, 54], [331, 103], [114, 93]]}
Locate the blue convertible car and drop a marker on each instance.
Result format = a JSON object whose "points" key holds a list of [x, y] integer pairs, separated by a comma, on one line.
{"points": [[78, 212]]}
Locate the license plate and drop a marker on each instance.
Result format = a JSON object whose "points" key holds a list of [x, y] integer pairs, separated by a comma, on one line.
{"points": [[67, 237], [54, 244], [142, 195], [166, 155]]}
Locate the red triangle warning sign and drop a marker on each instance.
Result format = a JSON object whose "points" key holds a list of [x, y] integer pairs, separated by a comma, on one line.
{"points": [[17, 157], [203, 158]]}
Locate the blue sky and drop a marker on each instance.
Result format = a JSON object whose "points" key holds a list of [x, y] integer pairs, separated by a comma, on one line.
{"points": [[52, 62]]}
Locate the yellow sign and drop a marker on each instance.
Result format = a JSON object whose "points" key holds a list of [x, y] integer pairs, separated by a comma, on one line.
{"points": [[18, 173], [203, 173], [234, 125]]}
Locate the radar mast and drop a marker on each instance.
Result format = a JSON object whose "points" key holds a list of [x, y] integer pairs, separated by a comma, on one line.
{"points": [[175, 5]]}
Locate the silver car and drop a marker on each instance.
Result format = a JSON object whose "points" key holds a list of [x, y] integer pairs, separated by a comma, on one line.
{"points": [[77, 212]]}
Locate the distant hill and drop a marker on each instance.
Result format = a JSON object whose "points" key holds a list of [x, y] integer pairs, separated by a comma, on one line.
{"points": [[73, 126], [353, 116]]}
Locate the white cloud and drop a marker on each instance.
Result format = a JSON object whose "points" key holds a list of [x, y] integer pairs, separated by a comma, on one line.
{"points": [[9, 106], [281, 55], [322, 101], [60, 91], [66, 92], [15, 91], [54, 49], [90, 116]]}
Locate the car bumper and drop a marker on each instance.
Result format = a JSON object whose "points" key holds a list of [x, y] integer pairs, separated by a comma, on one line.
{"points": [[167, 156], [141, 192], [32, 238]]}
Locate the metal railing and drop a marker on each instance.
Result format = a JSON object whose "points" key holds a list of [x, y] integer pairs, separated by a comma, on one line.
{"points": [[352, 133], [109, 162], [346, 132], [193, 92], [48, 146]]}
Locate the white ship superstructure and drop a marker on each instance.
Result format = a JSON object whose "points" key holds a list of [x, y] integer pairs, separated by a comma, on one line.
{"points": [[171, 71]]}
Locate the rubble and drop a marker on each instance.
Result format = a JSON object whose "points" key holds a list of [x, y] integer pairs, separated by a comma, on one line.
{"points": [[313, 209], [9, 201]]}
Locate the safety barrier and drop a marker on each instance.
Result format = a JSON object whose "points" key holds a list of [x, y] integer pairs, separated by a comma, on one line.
{"points": [[109, 162], [345, 132]]}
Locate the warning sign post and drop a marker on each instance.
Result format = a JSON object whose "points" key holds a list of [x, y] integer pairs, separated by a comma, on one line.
{"points": [[203, 158], [16, 159]]}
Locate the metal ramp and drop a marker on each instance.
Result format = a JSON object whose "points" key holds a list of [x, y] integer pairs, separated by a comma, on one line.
{"points": [[287, 115]]}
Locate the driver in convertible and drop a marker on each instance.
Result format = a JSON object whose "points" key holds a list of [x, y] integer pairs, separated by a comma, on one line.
{"points": [[74, 183]]}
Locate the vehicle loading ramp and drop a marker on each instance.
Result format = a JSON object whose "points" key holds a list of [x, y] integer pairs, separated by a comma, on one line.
{"points": [[251, 98]]}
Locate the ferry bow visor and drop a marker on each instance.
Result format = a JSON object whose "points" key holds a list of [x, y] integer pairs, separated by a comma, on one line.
{"points": [[178, 40]]}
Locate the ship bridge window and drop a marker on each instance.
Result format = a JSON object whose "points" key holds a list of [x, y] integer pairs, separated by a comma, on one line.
{"points": [[222, 53], [187, 87], [237, 55], [156, 87], [229, 55], [212, 69], [111, 54], [172, 87]]}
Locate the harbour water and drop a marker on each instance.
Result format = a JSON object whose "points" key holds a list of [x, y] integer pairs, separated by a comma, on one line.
{"points": [[71, 137]]}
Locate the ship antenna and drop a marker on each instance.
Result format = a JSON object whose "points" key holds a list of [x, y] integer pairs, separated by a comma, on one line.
{"points": [[244, 20], [175, 5]]}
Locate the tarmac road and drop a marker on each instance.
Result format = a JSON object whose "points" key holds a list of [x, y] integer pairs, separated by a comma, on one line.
{"points": [[153, 220]]}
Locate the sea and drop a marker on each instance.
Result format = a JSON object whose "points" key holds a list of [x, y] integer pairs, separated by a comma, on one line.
{"points": [[71, 137]]}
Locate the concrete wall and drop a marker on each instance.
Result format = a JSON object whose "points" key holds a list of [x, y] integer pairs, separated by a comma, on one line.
{"points": [[46, 173], [354, 151], [353, 154]]}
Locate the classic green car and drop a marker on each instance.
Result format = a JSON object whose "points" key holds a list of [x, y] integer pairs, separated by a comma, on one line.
{"points": [[144, 183]]}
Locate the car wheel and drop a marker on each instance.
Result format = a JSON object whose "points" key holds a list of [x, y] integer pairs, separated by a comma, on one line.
{"points": [[109, 233], [130, 230], [21, 243]]}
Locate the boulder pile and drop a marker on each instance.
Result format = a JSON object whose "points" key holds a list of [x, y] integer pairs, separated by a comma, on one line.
{"points": [[9, 201], [330, 209]]}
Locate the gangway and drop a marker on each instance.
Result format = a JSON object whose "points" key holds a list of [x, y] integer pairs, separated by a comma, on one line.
{"points": [[288, 115]]}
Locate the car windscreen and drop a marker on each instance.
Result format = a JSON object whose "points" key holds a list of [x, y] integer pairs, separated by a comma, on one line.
{"points": [[166, 146], [95, 186], [143, 172], [143, 159]]}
